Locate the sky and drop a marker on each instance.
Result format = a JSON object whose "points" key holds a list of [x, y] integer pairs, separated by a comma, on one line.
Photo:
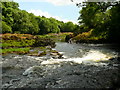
{"points": [[63, 10]]}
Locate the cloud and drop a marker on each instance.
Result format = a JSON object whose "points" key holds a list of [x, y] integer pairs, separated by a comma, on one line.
{"points": [[46, 14], [60, 2], [40, 13], [54, 2]]}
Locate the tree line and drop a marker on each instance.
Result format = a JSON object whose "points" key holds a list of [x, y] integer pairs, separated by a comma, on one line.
{"points": [[15, 20], [101, 18]]}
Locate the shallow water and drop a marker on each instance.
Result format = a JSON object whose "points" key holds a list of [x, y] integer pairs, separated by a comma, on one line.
{"points": [[83, 66], [81, 53], [80, 50]]}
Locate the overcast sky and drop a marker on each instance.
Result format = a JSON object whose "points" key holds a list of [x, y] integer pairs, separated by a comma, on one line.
{"points": [[63, 10]]}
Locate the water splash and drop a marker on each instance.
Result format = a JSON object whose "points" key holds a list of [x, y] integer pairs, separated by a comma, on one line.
{"points": [[93, 55], [90, 57]]}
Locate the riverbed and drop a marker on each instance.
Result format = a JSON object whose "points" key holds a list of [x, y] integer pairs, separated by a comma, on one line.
{"points": [[82, 66]]}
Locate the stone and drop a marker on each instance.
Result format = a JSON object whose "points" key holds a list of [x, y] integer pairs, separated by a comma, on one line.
{"points": [[33, 70]]}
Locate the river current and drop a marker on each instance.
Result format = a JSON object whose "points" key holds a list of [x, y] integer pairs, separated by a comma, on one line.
{"points": [[85, 53], [82, 66]]}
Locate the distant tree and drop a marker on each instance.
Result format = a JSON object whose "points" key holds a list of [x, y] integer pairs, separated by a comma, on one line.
{"points": [[67, 27], [54, 28], [34, 28], [25, 22], [7, 11], [44, 26], [6, 28], [20, 21]]}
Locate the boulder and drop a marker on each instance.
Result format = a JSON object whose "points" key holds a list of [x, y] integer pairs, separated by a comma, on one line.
{"points": [[32, 71], [56, 55]]}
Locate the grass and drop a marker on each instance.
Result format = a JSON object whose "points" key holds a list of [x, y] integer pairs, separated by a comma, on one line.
{"points": [[15, 50], [15, 43], [21, 43], [60, 37]]}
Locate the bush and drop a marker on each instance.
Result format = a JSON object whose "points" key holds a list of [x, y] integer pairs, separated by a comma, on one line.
{"points": [[40, 41], [68, 37]]}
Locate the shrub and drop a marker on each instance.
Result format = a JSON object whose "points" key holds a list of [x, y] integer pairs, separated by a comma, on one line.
{"points": [[68, 37], [40, 41]]}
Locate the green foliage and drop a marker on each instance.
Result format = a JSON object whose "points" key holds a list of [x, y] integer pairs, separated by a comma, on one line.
{"points": [[22, 22], [67, 27], [114, 32], [16, 50], [6, 28], [17, 40], [25, 22], [7, 12], [44, 26], [34, 28], [48, 25], [14, 40], [103, 18], [21, 43], [54, 26], [58, 37], [80, 29], [15, 43], [88, 14], [68, 37], [40, 41]]}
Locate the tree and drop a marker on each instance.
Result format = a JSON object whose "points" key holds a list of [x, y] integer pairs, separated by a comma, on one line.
{"points": [[54, 28], [67, 27], [6, 28], [34, 28], [114, 31], [7, 12], [20, 21], [102, 18], [44, 26], [25, 22]]}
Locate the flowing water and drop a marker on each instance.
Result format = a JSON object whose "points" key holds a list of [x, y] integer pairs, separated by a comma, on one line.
{"points": [[82, 66], [84, 53]]}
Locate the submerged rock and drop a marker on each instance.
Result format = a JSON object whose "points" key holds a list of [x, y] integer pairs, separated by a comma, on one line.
{"points": [[56, 55], [46, 52], [31, 71]]}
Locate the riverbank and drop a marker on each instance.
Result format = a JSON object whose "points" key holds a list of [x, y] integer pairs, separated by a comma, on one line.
{"points": [[23, 43], [90, 38]]}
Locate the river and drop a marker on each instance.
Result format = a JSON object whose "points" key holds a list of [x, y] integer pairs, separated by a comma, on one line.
{"points": [[82, 66]]}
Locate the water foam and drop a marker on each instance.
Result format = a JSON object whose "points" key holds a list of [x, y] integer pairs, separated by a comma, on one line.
{"points": [[96, 56], [91, 56]]}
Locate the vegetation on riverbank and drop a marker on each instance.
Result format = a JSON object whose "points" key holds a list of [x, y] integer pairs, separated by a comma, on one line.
{"points": [[86, 37], [23, 43], [16, 50], [57, 37], [99, 23]]}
